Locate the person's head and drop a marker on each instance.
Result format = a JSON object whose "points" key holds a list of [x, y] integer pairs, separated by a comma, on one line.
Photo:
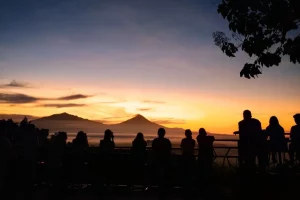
{"points": [[247, 114], [188, 133], [139, 136], [81, 135], [274, 121], [108, 134], [63, 136], [297, 118], [161, 132], [202, 132]]}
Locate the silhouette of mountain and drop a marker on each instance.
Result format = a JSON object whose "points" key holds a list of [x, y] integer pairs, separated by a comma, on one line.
{"points": [[63, 116], [138, 120], [72, 123], [141, 124], [68, 122]]}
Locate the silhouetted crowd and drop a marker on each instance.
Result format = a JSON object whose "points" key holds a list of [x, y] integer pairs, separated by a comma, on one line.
{"points": [[24, 148]]}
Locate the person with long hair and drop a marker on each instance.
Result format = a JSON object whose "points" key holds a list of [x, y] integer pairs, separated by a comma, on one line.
{"points": [[206, 151], [139, 147], [277, 139], [80, 145], [107, 145], [139, 156]]}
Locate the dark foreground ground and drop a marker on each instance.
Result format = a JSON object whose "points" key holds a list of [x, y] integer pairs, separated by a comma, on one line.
{"points": [[222, 185]]}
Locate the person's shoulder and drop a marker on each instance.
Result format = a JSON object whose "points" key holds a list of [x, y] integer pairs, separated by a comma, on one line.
{"points": [[281, 128], [241, 122], [255, 120], [294, 128], [211, 137]]}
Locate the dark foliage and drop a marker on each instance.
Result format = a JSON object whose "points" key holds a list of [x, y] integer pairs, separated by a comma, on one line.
{"points": [[265, 29]]}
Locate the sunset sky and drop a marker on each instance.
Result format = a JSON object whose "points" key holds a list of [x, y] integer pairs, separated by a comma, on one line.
{"points": [[111, 59]]}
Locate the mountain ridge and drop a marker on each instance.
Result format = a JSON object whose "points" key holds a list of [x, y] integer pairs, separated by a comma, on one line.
{"points": [[72, 123]]}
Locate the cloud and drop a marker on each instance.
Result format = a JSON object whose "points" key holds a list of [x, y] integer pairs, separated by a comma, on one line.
{"points": [[67, 105], [74, 97], [154, 102], [169, 121], [23, 98], [144, 109], [17, 98], [15, 84]]}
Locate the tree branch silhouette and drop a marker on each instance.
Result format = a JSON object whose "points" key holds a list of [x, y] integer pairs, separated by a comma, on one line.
{"points": [[263, 29]]}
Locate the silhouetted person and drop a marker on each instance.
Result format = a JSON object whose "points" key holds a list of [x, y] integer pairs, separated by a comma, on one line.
{"points": [[277, 139], [79, 146], [80, 143], [206, 151], [187, 147], [107, 146], [188, 160], [161, 149], [295, 140], [249, 133], [188, 144], [139, 148], [56, 158], [30, 147], [139, 155]]}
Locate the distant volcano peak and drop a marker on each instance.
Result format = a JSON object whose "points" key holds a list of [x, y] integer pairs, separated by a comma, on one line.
{"points": [[137, 119]]}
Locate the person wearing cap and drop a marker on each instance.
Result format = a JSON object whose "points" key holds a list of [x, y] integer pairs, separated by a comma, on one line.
{"points": [[295, 140]]}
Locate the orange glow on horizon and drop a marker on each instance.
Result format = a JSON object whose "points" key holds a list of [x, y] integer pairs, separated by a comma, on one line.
{"points": [[218, 114]]}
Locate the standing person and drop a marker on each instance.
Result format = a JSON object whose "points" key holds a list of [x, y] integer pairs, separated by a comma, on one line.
{"points": [[139, 156], [80, 145], [161, 148], [107, 147], [188, 160], [187, 147], [188, 144], [29, 162], [295, 140], [277, 139], [206, 151], [249, 133], [56, 159]]}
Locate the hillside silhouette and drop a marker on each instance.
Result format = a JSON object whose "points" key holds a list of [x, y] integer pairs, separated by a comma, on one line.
{"points": [[62, 116], [72, 123], [68, 122]]}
